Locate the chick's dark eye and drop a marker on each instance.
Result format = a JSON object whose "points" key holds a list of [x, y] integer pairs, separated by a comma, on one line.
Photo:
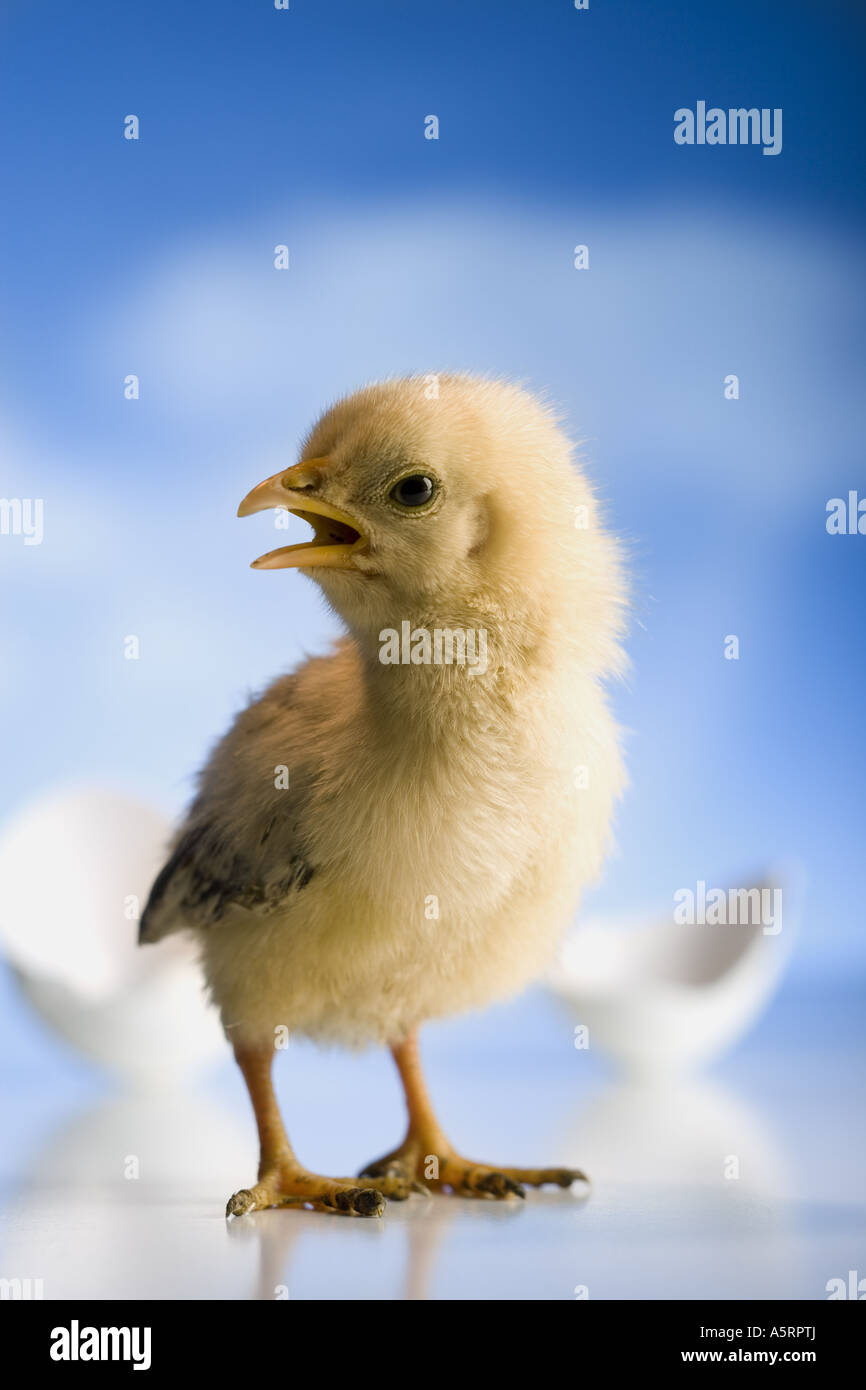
{"points": [[413, 491]]}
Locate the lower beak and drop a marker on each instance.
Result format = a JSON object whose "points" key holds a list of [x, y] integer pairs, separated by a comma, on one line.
{"points": [[336, 538]]}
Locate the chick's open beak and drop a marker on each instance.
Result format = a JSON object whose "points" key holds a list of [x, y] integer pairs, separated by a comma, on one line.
{"points": [[336, 537]]}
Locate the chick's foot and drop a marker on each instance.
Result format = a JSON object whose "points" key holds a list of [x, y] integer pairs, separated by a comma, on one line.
{"points": [[420, 1166], [290, 1185], [426, 1159]]}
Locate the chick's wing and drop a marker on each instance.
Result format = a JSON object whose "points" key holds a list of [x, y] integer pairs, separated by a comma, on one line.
{"points": [[242, 844]]}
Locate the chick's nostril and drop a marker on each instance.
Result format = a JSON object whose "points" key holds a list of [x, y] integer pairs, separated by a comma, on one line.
{"points": [[304, 476], [306, 483]]}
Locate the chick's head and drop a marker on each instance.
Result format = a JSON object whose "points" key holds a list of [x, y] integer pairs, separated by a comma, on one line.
{"points": [[436, 495]]}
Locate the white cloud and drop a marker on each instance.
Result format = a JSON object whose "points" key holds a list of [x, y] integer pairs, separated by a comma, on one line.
{"points": [[636, 347]]}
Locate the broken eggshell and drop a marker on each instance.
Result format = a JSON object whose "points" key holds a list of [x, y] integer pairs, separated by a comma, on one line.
{"points": [[664, 995], [75, 870]]}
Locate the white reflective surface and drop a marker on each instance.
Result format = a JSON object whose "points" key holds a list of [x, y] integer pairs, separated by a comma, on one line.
{"points": [[667, 1216]]}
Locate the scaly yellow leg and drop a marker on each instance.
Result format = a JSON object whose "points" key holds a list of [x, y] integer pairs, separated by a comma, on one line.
{"points": [[282, 1180], [427, 1159]]}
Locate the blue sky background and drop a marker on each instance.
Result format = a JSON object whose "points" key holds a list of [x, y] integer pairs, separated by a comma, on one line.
{"points": [[260, 127]]}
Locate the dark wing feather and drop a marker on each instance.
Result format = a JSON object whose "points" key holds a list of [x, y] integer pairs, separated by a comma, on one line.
{"points": [[243, 844], [203, 877]]}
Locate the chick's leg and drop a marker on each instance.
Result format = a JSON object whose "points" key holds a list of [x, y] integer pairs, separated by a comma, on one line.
{"points": [[426, 1157], [283, 1181]]}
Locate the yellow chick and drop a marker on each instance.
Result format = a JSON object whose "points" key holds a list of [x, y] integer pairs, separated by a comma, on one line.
{"points": [[401, 830]]}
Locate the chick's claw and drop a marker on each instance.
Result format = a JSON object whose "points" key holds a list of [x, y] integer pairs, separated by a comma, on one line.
{"points": [[296, 1187], [395, 1176], [485, 1182], [559, 1177], [474, 1180], [417, 1168], [363, 1201]]}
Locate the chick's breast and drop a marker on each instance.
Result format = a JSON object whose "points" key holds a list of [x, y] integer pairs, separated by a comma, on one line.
{"points": [[394, 870]]}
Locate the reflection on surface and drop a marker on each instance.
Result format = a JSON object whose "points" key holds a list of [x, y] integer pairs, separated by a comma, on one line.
{"points": [[708, 1183], [665, 1218], [678, 1132]]}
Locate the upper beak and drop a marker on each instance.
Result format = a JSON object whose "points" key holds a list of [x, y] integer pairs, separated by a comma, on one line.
{"points": [[337, 535]]}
